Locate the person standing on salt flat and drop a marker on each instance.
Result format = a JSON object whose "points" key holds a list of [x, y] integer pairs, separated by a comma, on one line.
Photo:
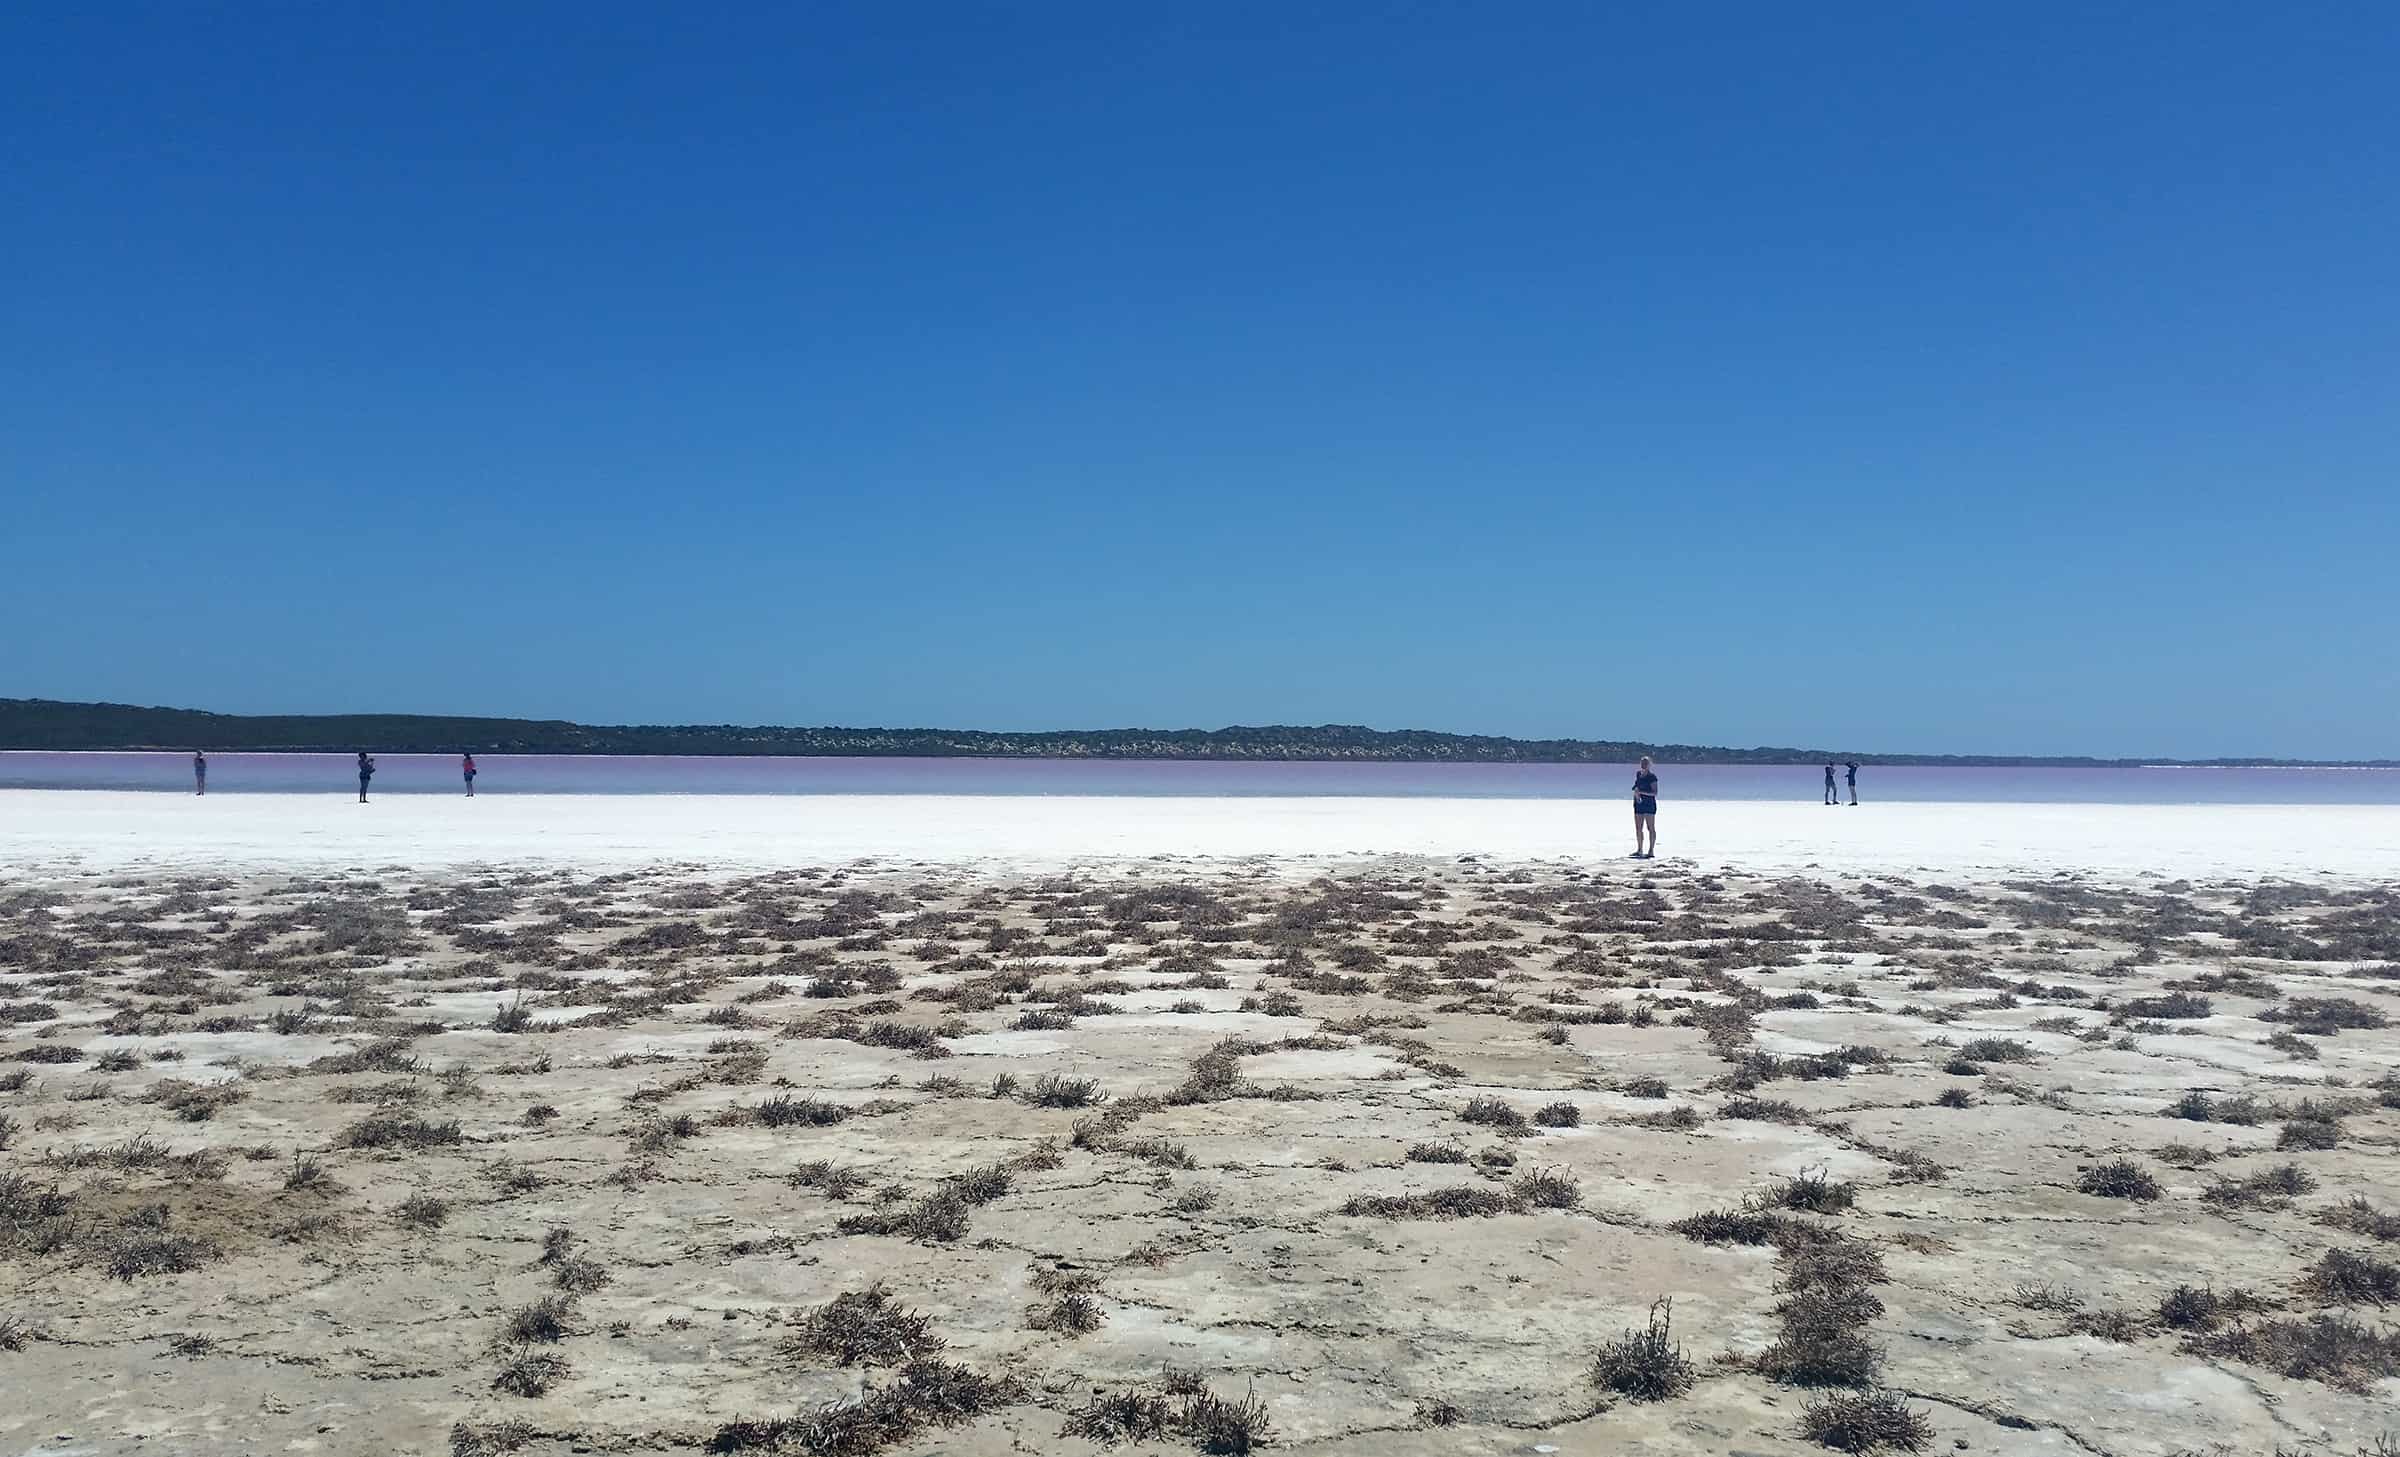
{"points": [[366, 771], [1645, 810], [199, 771], [1830, 796], [1850, 772], [466, 766]]}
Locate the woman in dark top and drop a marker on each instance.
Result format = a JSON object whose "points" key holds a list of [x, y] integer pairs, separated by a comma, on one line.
{"points": [[199, 771], [1850, 772], [1830, 796], [466, 766], [366, 771], [1645, 811]]}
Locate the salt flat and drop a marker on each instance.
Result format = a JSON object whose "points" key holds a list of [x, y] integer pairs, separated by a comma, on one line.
{"points": [[898, 1126], [125, 829]]}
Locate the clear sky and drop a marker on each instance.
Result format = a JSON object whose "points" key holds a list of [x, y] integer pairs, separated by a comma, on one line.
{"points": [[1945, 377]]}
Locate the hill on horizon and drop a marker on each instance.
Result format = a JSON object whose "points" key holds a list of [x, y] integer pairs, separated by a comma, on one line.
{"points": [[51, 724]]}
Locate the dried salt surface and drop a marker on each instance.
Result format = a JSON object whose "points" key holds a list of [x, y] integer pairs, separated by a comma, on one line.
{"points": [[353, 1334], [112, 829]]}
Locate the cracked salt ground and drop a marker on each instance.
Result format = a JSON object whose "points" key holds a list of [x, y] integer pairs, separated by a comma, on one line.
{"points": [[736, 1099]]}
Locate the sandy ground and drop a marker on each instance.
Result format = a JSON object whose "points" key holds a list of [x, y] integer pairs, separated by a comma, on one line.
{"points": [[549, 1160], [109, 829]]}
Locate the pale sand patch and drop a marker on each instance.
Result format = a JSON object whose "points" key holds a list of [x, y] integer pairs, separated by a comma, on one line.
{"points": [[111, 829]]}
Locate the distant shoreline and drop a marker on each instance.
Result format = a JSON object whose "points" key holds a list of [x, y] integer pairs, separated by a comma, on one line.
{"points": [[34, 724]]}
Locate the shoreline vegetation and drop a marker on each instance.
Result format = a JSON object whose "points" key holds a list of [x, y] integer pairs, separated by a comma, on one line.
{"points": [[49, 724]]}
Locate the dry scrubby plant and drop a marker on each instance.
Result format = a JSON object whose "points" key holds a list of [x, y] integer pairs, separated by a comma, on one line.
{"points": [[1648, 1364], [494, 1439], [1209, 1422], [1865, 1422], [1811, 1190], [2197, 1308], [2119, 1179], [1465, 1201], [923, 1393], [938, 1218], [2333, 1349], [2361, 1217], [2344, 1278], [398, 1130], [865, 1328]]}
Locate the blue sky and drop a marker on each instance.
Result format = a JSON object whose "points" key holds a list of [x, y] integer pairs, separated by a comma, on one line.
{"points": [[1933, 378]]}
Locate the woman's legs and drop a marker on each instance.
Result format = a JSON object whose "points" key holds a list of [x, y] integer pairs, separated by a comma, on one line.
{"points": [[1645, 825]]}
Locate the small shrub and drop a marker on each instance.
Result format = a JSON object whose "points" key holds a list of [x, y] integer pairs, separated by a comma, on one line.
{"points": [[1813, 1191], [530, 1373], [2310, 1135], [980, 1185], [1217, 1425], [2268, 1186], [2119, 1179], [2324, 1016], [1491, 1112], [2332, 1349], [308, 1173], [1462, 1202], [1125, 1416], [939, 1218], [832, 1180], [1764, 1110], [495, 1439], [544, 1322], [2121, 1326], [783, 1111], [1865, 1422], [1996, 1049], [1436, 1153], [1559, 1115], [2048, 1297], [1070, 1312], [1735, 1227], [2351, 1279], [2170, 1007], [1953, 1098], [1547, 1189], [865, 1328], [1053, 1091], [513, 1016], [131, 1253], [1645, 1365], [2360, 1217], [2202, 1309], [1822, 1342], [398, 1130]]}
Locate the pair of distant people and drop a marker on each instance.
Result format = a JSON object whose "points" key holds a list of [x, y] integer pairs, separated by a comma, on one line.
{"points": [[1852, 770], [366, 772]]}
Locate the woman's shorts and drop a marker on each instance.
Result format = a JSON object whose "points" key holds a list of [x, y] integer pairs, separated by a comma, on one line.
{"points": [[1645, 806]]}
